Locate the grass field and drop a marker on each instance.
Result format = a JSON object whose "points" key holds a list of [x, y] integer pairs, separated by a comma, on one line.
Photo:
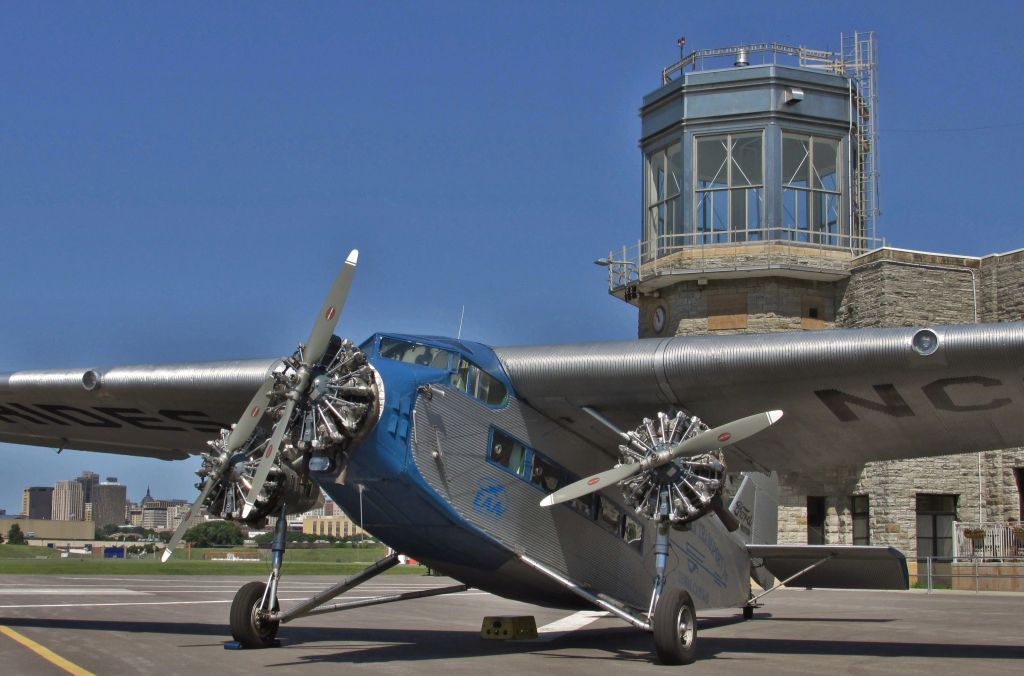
{"points": [[24, 560]]}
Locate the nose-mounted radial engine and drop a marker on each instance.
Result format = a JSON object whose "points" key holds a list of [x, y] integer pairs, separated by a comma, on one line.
{"points": [[337, 408], [304, 417]]}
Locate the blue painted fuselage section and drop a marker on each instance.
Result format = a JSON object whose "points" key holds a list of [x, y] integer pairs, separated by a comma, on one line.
{"points": [[385, 491]]}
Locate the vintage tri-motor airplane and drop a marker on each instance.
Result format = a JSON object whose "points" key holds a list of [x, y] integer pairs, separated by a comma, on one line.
{"points": [[575, 475]]}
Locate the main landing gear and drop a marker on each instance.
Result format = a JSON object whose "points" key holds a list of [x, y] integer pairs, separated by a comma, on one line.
{"points": [[256, 614]]}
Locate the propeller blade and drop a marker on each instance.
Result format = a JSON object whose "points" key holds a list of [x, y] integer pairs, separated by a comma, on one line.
{"points": [[323, 329], [724, 435], [591, 484], [241, 432], [269, 456], [211, 481], [706, 441], [251, 417]]}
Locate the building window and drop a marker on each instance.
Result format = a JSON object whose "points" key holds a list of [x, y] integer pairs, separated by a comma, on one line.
{"points": [[935, 517], [811, 195], [664, 218], [815, 520], [729, 188], [1018, 474], [861, 512]]}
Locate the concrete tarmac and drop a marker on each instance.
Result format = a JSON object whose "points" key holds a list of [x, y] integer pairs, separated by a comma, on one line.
{"points": [[177, 625]]}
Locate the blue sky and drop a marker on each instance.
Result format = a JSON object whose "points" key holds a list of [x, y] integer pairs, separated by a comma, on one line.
{"points": [[181, 181]]}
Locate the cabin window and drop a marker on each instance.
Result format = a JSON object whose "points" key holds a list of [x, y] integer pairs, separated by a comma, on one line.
{"points": [[584, 505], [509, 453], [546, 474], [633, 533], [609, 516], [479, 384], [414, 353]]}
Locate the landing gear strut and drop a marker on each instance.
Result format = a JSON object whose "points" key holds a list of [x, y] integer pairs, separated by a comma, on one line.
{"points": [[256, 615], [251, 609]]}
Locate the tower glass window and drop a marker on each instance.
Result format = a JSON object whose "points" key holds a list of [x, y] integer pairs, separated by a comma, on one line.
{"points": [[664, 219], [812, 209], [729, 188]]}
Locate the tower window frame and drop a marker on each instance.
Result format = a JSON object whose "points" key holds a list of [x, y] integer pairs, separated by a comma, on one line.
{"points": [[812, 195], [663, 218], [729, 187]]}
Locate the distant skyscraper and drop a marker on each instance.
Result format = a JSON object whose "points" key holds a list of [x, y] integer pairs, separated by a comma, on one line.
{"points": [[88, 480], [37, 502], [108, 503], [68, 501]]}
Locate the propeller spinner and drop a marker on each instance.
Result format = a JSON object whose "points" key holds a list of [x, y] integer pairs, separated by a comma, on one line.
{"points": [[308, 411]]}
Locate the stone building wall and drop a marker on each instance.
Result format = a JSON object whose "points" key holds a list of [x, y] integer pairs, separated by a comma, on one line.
{"points": [[887, 287], [1002, 287]]}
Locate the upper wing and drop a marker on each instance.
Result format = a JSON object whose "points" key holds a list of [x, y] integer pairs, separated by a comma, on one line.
{"points": [[849, 396], [162, 411]]}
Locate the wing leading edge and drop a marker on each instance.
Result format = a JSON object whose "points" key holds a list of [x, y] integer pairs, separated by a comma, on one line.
{"points": [[161, 411], [850, 396]]}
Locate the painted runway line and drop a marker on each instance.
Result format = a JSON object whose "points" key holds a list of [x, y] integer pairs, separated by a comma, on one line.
{"points": [[44, 652]]}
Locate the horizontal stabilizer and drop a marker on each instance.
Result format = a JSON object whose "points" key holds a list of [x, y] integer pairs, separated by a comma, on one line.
{"points": [[839, 566]]}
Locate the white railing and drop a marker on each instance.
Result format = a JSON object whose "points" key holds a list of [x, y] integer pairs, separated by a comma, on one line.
{"points": [[988, 540]]}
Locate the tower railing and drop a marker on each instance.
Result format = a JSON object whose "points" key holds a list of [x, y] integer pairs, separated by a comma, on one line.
{"points": [[713, 253]]}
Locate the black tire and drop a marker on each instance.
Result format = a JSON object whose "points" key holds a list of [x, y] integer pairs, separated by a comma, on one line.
{"points": [[675, 628], [748, 612], [246, 627]]}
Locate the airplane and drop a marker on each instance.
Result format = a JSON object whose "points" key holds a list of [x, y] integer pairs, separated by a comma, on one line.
{"points": [[576, 475]]}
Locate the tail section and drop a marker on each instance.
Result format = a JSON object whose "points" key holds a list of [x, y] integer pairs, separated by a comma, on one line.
{"points": [[756, 507]]}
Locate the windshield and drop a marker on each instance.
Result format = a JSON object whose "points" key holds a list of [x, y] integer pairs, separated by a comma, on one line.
{"points": [[414, 353]]}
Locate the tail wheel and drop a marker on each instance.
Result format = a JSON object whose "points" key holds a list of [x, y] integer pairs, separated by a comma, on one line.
{"points": [[675, 628], [248, 627]]}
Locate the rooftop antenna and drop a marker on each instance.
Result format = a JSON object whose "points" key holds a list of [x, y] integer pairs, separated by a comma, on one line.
{"points": [[462, 315]]}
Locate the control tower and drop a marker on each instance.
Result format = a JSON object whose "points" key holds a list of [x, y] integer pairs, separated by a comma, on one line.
{"points": [[759, 166], [758, 215]]}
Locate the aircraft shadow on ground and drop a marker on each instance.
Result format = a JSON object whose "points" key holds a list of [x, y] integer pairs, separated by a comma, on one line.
{"points": [[367, 645]]}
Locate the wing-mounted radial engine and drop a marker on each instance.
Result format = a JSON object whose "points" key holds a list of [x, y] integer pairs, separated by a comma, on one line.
{"points": [[686, 487], [304, 417], [671, 469]]}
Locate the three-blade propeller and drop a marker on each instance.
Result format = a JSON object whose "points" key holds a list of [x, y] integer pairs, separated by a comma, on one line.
{"points": [[309, 358], [706, 441]]}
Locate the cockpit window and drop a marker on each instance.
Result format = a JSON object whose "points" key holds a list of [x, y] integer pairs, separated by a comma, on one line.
{"points": [[414, 353], [479, 384]]}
